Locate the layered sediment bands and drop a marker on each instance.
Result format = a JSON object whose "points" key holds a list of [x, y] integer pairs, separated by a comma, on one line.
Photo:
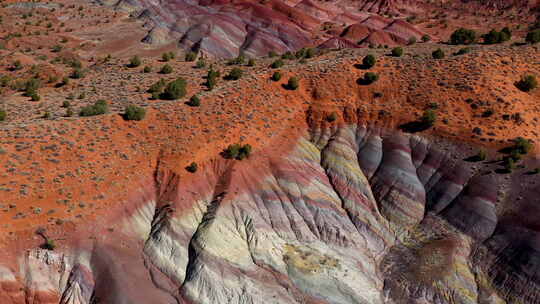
{"points": [[351, 214], [226, 29]]}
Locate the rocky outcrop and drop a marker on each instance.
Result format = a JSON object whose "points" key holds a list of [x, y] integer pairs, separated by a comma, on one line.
{"points": [[353, 214]]}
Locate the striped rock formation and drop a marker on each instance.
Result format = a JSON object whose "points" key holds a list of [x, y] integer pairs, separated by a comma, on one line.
{"points": [[353, 214]]}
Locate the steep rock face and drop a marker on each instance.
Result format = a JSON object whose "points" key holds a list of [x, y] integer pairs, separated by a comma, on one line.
{"points": [[353, 214]]}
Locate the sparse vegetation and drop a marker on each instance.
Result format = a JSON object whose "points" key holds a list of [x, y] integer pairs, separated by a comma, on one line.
{"points": [[167, 56], [175, 89], [276, 76], [212, 78], [237, 151], [397, 51], [192, 168], [234, 74], [369, 61], [237, 61], [332, 117], [134, 62], [438, 54], [527, 83], [77, 73], [133, 112], [3, 115], [166, 69], [98, 108], [49, 245], [190, 56], [200, 64], [429, 117], [277, 64], [370, 77], [194, 101], [494, 36], [463, 36], [533, 36], [293, 83]]}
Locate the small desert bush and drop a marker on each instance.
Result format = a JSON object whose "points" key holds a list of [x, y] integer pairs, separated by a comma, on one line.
{"points": [[276, 76], [234, 74], [98, 108], [397, 51], [175, 89], [133, 112], [527, 83]]}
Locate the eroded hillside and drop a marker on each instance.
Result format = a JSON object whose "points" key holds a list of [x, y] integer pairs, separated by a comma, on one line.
{"points": [[409, 178], [335, 204]]}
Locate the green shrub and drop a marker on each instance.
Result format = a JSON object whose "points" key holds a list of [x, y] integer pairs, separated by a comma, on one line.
{"points": [[3, 114], [370, 77], [305, 53], [167, 56], [156, 88], [276, 76], [134, 62], [237, 61], [288, 56], [234, 74], [190, 56], [332, 117], [237, 151], [369, 61], [293, 83], [411, 40], [175, 89], [194, 101], [192, 168], [533, 36], [166, 69], [4, 81], [494, 36], [438, 54], [31, 86], [69, 112], [397, 51], [463, 36], [212, 78], [66, 104], [527, 83], [522, 145], [200, 64], [147, 69], [429, 117], [133, 112], [251, 62], [426, 38], [272, 54], [77, 73], [49, 245], [98, 108], [35, 96], [277, 64]]}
